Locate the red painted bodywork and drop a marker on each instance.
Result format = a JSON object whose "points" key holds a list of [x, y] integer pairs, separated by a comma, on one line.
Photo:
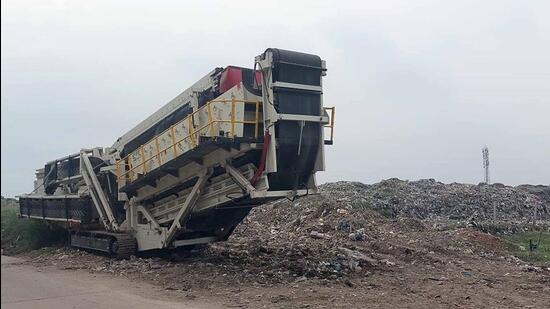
{"points": [[232, 76]]}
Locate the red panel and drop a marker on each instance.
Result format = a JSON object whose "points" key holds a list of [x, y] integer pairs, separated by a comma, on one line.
{"points": [[257, 79], [231, 76]]}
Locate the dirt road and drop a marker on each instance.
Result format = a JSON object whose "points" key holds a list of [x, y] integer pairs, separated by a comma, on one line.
{"points": [[26, 287]]}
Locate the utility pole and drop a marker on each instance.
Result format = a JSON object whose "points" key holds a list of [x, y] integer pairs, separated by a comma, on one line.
{"points": [[485, 152]]}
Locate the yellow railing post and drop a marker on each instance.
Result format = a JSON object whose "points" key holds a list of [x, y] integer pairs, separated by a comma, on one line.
{"points": [[130, 168], [232, 117], [173, 133], [158, 149], [142, 156], [191, 130]]}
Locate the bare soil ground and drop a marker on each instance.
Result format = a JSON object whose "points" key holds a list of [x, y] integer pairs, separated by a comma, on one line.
{"points": [[318, 252], [27, 287]]}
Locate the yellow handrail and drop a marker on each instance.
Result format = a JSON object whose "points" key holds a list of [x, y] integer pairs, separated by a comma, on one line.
{"points": [[330, 125], [191, 135], [192, 132]]}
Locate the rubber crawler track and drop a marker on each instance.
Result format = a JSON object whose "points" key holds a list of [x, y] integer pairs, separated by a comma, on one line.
{"points": [[121, 245], [126, 245]]}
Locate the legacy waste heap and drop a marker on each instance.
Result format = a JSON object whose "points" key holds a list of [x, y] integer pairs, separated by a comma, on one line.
{"points": [[191, 172]]}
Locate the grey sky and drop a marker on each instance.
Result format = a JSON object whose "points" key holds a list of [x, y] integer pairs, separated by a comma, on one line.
{"points": [[419, 86]]}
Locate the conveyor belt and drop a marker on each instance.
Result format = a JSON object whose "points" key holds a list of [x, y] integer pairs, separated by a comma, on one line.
{"points": [[297, 146]]}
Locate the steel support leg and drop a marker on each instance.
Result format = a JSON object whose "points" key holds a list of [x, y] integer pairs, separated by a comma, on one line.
{"points": [[239, 178], [187, 208], [98, 196]]}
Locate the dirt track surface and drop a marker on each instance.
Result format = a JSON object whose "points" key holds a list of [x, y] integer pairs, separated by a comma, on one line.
{"points": [[320, 253], [24, 286]]}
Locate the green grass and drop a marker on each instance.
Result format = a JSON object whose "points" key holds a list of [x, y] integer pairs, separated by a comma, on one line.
{"points": [[9, 203], [519, 245], [23, 234]]}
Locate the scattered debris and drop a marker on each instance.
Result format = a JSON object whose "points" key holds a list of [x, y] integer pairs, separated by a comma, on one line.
{"points": [[358, 256], [357, 235], [395, 238], [315, 234]]}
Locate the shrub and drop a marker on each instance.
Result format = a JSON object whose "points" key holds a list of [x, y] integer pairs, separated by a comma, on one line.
{"points": [[519, 244], [23, 234]]}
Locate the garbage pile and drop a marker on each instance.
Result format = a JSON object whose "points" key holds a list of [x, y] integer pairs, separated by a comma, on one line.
{"points": [[349, 230], [429, 199], [540, 190], [366, 239], [286, 242]]}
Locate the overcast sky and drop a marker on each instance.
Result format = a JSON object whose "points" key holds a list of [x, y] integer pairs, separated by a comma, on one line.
{"points": [[419, 86]]}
